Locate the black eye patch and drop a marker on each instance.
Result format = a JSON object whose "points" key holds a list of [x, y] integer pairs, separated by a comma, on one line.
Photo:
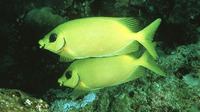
{"points": [[68, 74], [53, 37]]}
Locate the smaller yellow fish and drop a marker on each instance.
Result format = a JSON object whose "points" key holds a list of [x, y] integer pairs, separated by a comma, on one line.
{"points": [[96, 73], [99, 37]]}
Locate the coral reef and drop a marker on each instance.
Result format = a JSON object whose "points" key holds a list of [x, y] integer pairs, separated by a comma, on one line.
{"points": [[38, 19], [67, 105], [12, 100]]}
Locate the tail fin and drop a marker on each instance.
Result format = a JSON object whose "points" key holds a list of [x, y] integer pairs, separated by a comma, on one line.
{"points": [[146, 35], [147, 61]]}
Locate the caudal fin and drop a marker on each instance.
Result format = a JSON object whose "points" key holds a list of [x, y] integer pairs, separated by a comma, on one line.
{"points": [[146, 35], [147, 61]]}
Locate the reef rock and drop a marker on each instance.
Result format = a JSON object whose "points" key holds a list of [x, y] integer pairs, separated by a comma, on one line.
{"points": [[12, 100]]}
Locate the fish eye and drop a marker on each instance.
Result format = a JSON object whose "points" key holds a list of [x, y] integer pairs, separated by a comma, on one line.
{"points": [[53, 37], [68, 74]]}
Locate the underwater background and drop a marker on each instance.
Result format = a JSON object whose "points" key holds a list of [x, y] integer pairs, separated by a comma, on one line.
{"points": [[28, 75]]}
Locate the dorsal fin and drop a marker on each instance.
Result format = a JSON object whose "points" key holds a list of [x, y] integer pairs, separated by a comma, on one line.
{"points": [[131, 23]]}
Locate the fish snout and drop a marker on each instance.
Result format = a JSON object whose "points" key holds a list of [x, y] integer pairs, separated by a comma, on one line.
{"points": [[41, 44], [42, 47], [60, 81]]}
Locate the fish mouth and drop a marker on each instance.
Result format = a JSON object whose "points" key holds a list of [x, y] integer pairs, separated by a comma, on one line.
{"points": [[41, 44], [59, 50], [59, 81], [42, 47]]}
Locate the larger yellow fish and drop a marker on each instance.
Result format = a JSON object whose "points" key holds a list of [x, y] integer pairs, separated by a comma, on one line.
{"points": [[95, 73], [99, 37]]}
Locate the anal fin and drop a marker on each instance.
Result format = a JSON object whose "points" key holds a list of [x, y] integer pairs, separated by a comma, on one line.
{"points": [[79, 90], [130, 47], [138, 71]]}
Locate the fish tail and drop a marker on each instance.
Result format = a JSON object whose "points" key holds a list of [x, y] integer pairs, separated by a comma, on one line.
{"points": [[147, 61], [146, 36]]}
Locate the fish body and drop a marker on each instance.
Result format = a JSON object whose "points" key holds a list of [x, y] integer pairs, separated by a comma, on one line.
{"points": [[99, 37], [96, 73]]}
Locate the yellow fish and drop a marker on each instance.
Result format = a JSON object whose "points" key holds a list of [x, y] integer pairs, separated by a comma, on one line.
{"points": [[99, 37], [96, 73]]}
